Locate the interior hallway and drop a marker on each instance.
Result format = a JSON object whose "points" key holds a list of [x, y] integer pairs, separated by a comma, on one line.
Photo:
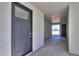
{"points": [[52, 49]]}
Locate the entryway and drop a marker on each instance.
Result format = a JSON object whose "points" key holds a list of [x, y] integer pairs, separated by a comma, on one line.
{"points": [[21, 30]]}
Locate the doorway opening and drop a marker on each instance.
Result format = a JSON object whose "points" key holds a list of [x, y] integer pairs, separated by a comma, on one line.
{"points": [[56, 29], [56, 35]]}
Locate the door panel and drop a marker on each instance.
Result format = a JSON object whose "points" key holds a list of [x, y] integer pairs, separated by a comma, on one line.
{"points": [[27, 40], [21, 30], [19, 42], [29, 37]]}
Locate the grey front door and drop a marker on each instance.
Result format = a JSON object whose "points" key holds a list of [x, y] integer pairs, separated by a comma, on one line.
{"points": [[21, 30]]}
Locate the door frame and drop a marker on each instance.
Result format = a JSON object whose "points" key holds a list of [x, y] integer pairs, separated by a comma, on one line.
{"points": [[13, 4]]}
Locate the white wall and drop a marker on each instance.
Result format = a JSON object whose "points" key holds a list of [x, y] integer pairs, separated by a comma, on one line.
{"points": [[74, 28], [5, 28], [47, 29]]}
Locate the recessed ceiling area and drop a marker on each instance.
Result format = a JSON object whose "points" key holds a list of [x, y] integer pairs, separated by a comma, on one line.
{"points": [[56, 9]]}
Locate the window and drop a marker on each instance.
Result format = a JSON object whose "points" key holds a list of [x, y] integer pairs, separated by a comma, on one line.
{"points": [[21, 13]]}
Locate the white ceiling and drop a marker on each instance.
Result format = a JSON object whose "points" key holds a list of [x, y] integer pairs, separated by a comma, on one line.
{"points": [[57, 9]]}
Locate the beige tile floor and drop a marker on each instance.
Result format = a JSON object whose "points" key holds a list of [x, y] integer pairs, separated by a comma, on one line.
{"points": [[52, 49]]}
